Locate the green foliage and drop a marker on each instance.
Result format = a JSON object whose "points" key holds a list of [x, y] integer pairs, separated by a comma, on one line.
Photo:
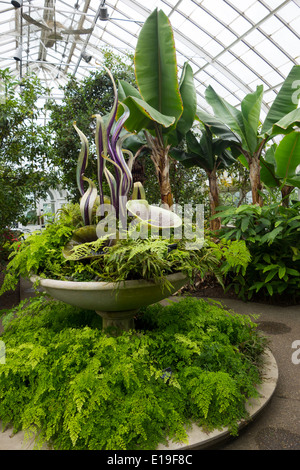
{"points": [[41, 253], [42, 250], [271, 234], [85, 390], [7, 238], [246, 134], [25, 147]]}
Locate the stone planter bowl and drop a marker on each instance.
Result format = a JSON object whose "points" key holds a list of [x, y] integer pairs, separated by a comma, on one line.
{"points": [[116, 303]]}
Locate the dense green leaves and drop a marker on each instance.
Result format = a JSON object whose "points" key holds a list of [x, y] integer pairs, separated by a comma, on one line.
{"points": [[83, 389], [26, 170], [206, 152], [209, 153], [271, 234], [287, 155], [42, 250], [252, 136], [227, 114], [130, 258]]}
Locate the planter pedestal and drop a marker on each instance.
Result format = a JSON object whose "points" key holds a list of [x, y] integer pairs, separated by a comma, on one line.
{"points": [[123, 320], [116, 303]]}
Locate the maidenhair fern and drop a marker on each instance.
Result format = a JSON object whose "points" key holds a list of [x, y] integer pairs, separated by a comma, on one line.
{"points": [[82, 389]]}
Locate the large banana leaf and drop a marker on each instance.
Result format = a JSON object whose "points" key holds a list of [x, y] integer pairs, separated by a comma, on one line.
{"points": [[287, 155], [143, 116], [217, 126], [207, 153], [228, 114], [287, 123], [199, 153], [189, 99], [268, 168], [156, 67], [294, 181], [285, 101], [137, 118], [126, 89], [203, 149], [188, 159], [251, 108]]}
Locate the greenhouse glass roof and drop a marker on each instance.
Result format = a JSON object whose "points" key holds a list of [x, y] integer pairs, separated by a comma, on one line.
{"points": [[232, 45]]}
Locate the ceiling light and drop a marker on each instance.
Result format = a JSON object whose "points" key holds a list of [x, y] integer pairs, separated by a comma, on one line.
{"points": [[103, 14], [18, 54], [17, 4], [86, 57]]}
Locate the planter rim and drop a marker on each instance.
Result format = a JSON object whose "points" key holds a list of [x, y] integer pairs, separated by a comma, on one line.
{"points": [[101, 285]]}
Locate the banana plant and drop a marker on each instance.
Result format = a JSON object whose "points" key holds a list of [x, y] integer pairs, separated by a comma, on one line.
{"points": [[162, 107], [211, 154], [245, 124]]}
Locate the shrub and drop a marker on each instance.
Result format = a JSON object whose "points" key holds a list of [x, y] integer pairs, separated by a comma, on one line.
{"points": [[84, 389], [272, 236]]}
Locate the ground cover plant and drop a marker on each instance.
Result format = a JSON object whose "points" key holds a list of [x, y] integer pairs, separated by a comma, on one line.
{"points": [[83, 389]]}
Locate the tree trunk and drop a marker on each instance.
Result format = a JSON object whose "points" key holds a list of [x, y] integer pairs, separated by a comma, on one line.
{"points": [[285, 192], [160, 158], [164, 179], [215, 224], [254, 170]]}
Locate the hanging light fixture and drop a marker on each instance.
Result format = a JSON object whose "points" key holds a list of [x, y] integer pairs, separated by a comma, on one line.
{"points": [[18, 54], [16, 4], [103, 13], [86, 57]]}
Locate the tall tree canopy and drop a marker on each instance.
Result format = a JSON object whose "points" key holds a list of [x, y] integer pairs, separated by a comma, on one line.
{"points": [[25, 147]]}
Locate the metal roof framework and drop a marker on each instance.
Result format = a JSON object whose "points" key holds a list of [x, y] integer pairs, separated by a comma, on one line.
{"points": [[232, 45]]}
